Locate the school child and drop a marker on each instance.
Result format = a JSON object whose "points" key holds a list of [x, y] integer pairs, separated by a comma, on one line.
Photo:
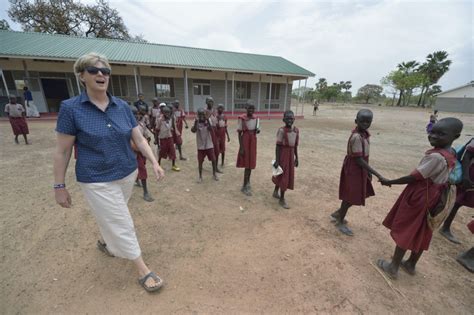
{"points": [[315, 107], [221, 132], [179, 119], [203, 129], [212, 117], [164, 131], [433, 120], [407, 220], [247, 129], [466, 258], [16, 115], [141, 160], [286, 157], [464, 190], [356, 175], [154, 115]]}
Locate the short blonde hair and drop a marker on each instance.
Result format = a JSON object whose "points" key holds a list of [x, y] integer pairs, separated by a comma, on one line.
{"points": [[88, 60]]}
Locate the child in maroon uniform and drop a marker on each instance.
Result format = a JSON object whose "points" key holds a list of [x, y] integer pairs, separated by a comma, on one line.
{"points": [[16, 115], [221, 132], [407, 220], [247, 128], [202, 128], [141, 160], [164, 130], [286, 157], [356, 174], [212, 117], [465, 191], [179, 120]]}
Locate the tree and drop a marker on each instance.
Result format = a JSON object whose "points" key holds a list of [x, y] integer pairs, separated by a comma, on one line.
{"points": [[4, 25], [407, 69], [435, 66], [70, 17], [369, 91]]}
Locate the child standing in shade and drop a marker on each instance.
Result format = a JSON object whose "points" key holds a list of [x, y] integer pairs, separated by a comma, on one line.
{"points": [[164, 130], [141, 160], [179, 119], [286, 157], [16, 115], [247, 129], [222, 132], [203, 129], [407, 220], [356, 175]]}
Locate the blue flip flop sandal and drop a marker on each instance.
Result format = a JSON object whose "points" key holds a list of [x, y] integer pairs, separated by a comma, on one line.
{"points": [[158, 280]]}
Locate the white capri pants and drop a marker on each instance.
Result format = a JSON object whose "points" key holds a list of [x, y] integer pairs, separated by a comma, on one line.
{"points": [[108, 202]]}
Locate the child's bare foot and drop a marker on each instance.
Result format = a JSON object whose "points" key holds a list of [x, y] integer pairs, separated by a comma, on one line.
{"points": [[182, 158], [16, 141], [138, 184], [283, 204], [344, 229], [336, 218], [219, 171], [387, 268], [246, 190], [408, 268], [148, 198], [199, 180], [215, 178], [276, 195], [449, 236]]}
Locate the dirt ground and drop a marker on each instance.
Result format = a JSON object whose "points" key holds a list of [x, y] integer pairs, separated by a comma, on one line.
{"points": [[220, 251]]}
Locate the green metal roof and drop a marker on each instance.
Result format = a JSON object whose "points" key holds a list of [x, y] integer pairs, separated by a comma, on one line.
{"points": [[64, 47]]}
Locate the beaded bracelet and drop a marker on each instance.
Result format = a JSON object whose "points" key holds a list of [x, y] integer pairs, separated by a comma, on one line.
{"points": [[59, 186]]}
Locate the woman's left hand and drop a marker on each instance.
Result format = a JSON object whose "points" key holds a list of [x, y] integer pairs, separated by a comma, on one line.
{"points": [[159, 172]]}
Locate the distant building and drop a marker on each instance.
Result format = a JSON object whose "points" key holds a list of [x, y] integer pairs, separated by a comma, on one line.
{"points": [[44, 62], [459, 100]]}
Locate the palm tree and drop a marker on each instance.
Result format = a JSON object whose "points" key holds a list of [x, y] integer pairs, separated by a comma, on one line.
{"points": [[434, 68], [407, 68]]}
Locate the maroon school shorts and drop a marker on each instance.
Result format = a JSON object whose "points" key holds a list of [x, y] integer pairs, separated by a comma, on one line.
{"points": [[203, 153]]}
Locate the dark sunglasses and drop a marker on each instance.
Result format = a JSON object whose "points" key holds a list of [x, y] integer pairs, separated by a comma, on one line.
{"points": [[95, 70]]}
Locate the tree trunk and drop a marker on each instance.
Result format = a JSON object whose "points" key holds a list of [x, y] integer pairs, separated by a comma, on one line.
{"points": [[424, 97], [393, 98], [400, 98], [421, 96]]}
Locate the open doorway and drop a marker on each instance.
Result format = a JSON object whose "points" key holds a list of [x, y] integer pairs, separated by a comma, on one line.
{"points": [[55, 91]]}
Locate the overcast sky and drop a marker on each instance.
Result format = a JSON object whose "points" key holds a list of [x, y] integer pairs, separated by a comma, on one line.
{"points": [[360, 41]]}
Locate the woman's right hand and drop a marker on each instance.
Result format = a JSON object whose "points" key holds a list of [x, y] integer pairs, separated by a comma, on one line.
{"points": [[63, 198]]}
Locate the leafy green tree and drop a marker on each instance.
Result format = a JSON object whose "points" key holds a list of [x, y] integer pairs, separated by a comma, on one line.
{"points": [[70, 17], [369, 91], [435, 66], [4, 25]]}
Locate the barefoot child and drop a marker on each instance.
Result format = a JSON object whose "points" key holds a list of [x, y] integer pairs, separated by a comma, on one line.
{"points": [[356, 174], [164, 130], [202, 128], [247, 128], [286, 157], [407, 220], [465, 191], [141, 160], [221, 132], [179, 120], [16, 115], [212, 117]]}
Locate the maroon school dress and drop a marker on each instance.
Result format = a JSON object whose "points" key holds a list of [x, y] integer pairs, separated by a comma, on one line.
{"points": [[355, 185], [407, 218], [249, 142], [164, 132], [221, 132], [466, 198], [288, 140]]}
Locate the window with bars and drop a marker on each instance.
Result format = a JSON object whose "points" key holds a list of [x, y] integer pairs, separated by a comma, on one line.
{"points": [[119, 86], [243, 90], [275, 91], [164, 87]]}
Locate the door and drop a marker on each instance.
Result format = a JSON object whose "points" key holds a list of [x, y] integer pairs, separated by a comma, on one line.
{"points": [[201, 90], [55, 91]]}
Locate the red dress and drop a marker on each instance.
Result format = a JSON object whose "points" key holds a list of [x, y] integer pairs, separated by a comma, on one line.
{"points": [[466, 198], [249, 143], [407, 218], [287, 158], [355, 185]]}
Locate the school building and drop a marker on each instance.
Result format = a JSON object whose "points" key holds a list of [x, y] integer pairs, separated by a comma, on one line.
{"points": [[459, 100], [44, 63]]}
